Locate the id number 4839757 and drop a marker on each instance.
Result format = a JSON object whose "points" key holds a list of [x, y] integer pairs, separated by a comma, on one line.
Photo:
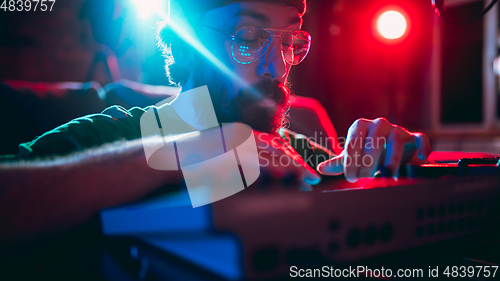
{"points": [[27, 5], [471, 271]]}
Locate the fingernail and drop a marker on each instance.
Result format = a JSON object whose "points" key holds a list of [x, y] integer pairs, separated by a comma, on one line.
{"points": [[352, 180], [329, 169], [312, 181], [320, 167]]}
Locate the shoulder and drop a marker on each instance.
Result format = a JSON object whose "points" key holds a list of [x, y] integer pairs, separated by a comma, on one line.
{"points": [[119, 112]]}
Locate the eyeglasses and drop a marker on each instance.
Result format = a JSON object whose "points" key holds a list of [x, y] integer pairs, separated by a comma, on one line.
{"points": [[250, 43]]}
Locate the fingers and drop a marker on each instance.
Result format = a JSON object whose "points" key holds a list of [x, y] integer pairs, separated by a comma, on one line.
{"points": [[281, 164], [395, 148], [280, 159], [307, 174], [375, 146], [423, 146], [354, 147], [311, 178], [334, 166], [371, 143]]}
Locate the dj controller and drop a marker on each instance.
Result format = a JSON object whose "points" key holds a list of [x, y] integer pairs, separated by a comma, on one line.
{"points": [[261, 232]]}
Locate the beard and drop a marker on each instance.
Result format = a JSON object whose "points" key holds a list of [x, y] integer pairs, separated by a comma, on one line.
{"points": [[263, 106]]}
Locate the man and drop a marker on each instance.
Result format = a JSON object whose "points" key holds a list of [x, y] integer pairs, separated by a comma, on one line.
{"points": [[100, 161]]}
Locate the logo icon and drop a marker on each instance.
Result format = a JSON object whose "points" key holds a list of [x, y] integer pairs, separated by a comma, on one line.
{"points": [[216, 162]]}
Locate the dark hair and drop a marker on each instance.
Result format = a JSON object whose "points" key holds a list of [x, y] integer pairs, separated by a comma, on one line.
{"points": [[167, 40]]}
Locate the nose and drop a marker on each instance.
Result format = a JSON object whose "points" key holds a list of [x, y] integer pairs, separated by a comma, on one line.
{"points": [[272, 64]]}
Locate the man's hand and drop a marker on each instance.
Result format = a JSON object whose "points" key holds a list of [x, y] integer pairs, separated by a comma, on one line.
{"points": [[373, 143], [280, 159]]}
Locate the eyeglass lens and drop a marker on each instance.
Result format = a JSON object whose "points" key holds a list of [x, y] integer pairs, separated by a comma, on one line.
{"points": [[250, 43]]}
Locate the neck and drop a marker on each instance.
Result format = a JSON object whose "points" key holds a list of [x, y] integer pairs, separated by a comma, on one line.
{"points": [[195, 107]]}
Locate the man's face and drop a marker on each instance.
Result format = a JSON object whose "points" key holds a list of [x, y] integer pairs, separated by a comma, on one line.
{"points": [[236, 101]]}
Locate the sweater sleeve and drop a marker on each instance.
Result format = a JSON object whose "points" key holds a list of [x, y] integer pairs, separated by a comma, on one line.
{"points": [[113, 124]]}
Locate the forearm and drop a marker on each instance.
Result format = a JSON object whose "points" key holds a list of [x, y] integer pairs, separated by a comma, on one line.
{"points": [[41, 197]]}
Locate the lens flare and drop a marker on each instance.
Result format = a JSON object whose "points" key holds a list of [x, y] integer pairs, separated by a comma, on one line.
{"points": [[184, 31], [145, 8], [391, 25]]}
